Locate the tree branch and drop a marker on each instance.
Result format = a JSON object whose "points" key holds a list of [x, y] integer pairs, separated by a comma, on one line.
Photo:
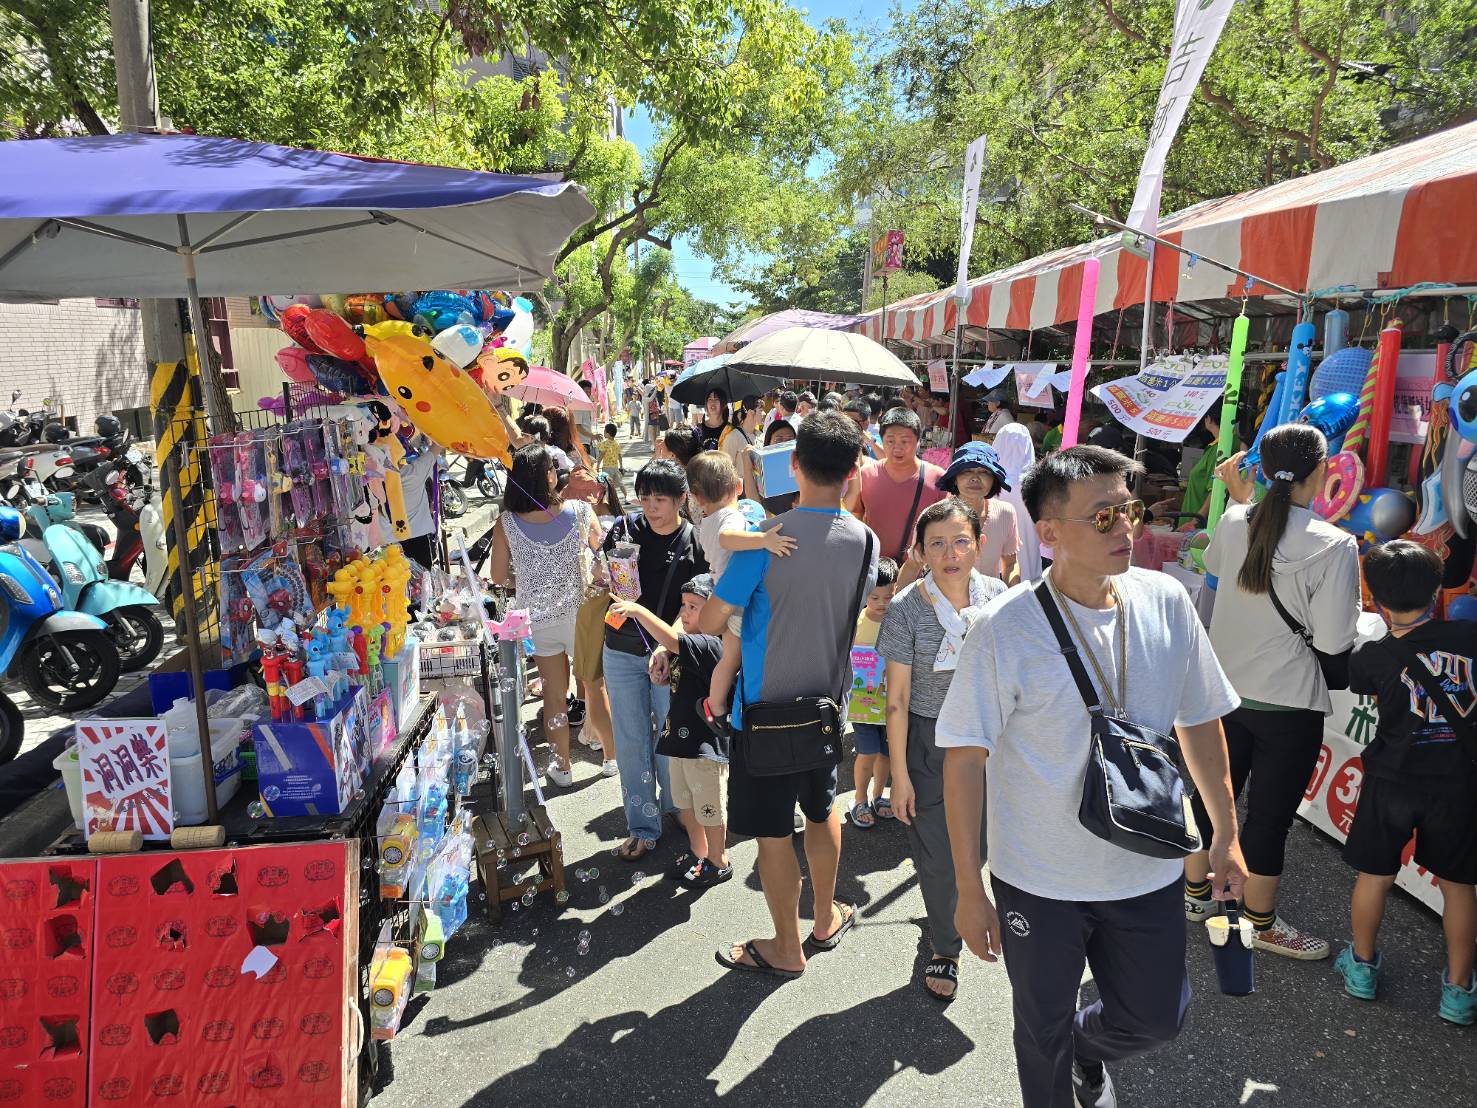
{"points": [[1123, 28], [1331, 73]]}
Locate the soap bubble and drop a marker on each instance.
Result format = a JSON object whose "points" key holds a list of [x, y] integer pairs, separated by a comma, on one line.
{"points": [[482, 896], [524, 838], [271, 793], [489, 759], [513, 906], [650, 810], [617, 908], [256, 810], [561, 897], [638, 877], [367, 862], [528, 898], [569, 972], [592, 873], [581, 875], [646, 777], [517, 852], [604, 896], [535, 932], [584, 938]]}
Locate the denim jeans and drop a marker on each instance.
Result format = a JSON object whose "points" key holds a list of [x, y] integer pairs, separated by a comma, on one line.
{"points": [[634, 700]]}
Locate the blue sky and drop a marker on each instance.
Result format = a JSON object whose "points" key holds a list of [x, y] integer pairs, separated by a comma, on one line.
{"points": [[695, 273]]}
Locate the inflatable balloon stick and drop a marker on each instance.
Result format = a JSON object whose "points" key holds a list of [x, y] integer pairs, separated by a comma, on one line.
{"points": [[1383, 410], [1227, 441], [1269, 420], [1359, 433], [1335, 332], [1086, 304], [441, 400], [1299, 366]]}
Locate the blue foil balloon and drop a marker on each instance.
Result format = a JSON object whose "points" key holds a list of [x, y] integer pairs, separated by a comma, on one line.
{"points": [[1333, 415]]}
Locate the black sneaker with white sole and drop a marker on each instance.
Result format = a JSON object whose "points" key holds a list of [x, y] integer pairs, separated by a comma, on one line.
{"points": [[1092, 1086]]}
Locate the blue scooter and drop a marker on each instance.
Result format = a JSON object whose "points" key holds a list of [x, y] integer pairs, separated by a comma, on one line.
{"points": [[66, 660], [126, 608]]}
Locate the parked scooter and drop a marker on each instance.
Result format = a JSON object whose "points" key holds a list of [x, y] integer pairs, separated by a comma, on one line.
{"points": [[60, 507], [134, 506], [127, 609], [66, 660], [12, 729]]}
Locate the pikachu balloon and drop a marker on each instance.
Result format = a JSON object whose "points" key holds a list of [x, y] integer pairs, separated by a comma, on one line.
{"points": [[440, 399]]}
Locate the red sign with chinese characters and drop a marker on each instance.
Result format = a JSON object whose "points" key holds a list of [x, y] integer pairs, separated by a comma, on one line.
{"points": [[125, 776]]}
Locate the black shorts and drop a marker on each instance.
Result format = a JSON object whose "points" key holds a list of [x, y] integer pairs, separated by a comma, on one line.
{"points": [[1445, 830], [764, 807]]}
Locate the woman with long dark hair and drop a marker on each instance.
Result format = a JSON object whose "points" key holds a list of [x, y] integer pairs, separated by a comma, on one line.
{"points": [[1277, 552], [715, 420], [541, 547]]}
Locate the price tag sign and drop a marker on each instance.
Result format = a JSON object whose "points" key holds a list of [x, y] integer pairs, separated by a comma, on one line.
{"points": [[305, 690]]}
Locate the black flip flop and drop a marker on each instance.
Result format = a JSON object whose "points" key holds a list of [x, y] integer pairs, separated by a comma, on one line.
{"points": [[835, 940], [727, 961], [940, 968]]}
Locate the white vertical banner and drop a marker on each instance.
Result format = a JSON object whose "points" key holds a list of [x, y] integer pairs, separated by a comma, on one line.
{"points": [[1197, 28], [974, 166]]}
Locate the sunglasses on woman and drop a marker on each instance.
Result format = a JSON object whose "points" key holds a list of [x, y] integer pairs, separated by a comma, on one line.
{"points": [[1103, 520]]}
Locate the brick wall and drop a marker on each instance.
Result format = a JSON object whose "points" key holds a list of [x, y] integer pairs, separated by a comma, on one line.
{"points": [[89, 359]]}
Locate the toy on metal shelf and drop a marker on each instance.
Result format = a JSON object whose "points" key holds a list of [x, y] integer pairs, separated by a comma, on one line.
{"points": [[297, 469], [252, 487], [221, 449]]}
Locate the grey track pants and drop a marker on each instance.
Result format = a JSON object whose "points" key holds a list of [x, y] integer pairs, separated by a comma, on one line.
{"points": [[929, 836]]}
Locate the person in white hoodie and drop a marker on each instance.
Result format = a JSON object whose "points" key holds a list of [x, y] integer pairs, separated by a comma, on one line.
{"points": [[1017, 453], [1275, 549]]}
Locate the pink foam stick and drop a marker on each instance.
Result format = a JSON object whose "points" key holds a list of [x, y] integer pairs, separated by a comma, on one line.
{"points": [[1086, 303]]}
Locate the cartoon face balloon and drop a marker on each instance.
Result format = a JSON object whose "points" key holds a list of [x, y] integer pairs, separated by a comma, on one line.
{"points": [[502, 369], [439, 398]]}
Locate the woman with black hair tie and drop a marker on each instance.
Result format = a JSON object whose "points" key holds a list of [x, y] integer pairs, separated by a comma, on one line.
{"points": [[1277, 552]]}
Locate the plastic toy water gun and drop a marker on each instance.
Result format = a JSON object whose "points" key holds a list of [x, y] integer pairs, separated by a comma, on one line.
{"points": [[397, 849], [389, 989], [430, 945]]}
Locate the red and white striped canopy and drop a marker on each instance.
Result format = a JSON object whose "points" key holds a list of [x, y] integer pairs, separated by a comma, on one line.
{"points": [[1388, 221]]}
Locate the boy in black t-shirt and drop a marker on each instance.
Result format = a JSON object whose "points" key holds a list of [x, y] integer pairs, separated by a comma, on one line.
{"points": [[1419, 773], [698, 757]]}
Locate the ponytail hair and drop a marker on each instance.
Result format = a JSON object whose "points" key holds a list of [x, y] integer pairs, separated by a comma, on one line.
{"points": [[1290, 454]]}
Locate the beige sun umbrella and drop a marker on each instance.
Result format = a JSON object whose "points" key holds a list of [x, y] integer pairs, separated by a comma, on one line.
{"points": [[816, 353]]}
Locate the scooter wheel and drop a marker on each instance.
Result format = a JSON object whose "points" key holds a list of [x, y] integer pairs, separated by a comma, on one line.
{"points": [[71, 670], [138, 635], [489, 488], [453, 501], [12, 729]]}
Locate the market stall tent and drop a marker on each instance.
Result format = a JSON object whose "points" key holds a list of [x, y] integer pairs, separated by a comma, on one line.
{"points": [[1392, 220]]}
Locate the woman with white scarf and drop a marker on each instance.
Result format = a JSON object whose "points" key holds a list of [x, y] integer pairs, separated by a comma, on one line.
{"points": [[920, 641], [1017, 453]]}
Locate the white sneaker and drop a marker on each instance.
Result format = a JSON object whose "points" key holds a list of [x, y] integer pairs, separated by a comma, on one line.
{"points": [[1285, 939], [559, 775], [608, 768]]}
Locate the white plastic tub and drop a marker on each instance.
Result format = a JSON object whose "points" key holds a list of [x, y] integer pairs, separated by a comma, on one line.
{"points": [[67, 764], [187, 783]]}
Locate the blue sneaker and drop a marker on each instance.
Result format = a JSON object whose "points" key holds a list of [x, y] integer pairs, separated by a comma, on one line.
{"points": [[1458, 1004], [1362, 979]]}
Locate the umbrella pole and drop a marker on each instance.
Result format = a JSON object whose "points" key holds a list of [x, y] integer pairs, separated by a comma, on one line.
{"points": [[217, 406]]}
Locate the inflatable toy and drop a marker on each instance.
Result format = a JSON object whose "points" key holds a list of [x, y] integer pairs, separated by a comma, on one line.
{"points": [[294, 363], [1332, 415], [295, 326], [388, 327], [333, 335], [1341, 487], [501, 369], [1342, 371], [519, 332], [337, 375], [365, 308], [1379, 515], [440, 309], [459, 344], [441, 400], [1335, 332], [1462, 607], [1299, 362]]}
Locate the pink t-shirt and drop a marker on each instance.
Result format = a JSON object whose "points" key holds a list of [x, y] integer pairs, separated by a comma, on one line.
{"points": [[999, 538], [885, 504]]}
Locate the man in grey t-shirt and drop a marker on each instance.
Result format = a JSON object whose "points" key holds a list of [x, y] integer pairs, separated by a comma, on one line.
{"points": [[799, 614], [1067, 897]]}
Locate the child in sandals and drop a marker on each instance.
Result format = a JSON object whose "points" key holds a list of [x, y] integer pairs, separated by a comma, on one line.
{"points": [[867, 708]]}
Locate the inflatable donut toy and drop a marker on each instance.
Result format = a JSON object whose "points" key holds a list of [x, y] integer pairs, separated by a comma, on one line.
{"points": [[1341, 487]]}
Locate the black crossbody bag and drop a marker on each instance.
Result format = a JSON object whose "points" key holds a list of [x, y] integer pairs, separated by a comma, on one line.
{"points": [[1136, 791], [780, 737], [1460, 726], [1333, 667]]}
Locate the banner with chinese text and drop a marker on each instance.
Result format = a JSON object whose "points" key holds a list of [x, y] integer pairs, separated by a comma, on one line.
{"points": [[1169, 397]]}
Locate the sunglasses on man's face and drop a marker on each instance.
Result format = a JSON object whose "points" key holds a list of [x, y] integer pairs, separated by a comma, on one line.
{"points": [[1103, 520]]}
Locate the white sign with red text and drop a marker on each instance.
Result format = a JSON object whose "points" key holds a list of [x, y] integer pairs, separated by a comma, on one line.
{"points": [[125, 776]]}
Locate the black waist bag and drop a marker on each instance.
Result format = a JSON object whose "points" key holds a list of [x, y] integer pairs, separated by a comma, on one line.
{"points": [[1136, 791], [780, 737]]}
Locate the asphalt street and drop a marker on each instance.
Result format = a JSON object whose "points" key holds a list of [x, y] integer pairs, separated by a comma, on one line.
{"points": [[521, 1016]]}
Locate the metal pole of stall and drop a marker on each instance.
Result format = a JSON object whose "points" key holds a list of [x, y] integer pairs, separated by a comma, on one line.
{"points": [[1146, 335]]}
